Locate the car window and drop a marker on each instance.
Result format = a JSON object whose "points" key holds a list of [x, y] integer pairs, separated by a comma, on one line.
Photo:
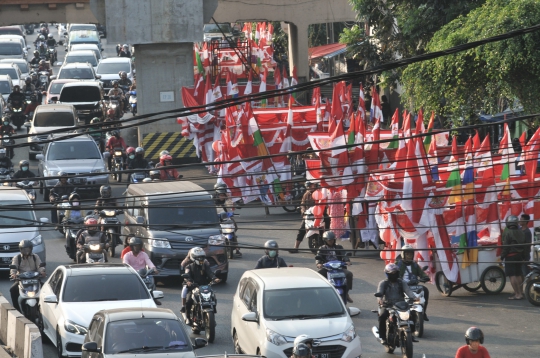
{"points": [[58, 287], [9, 71], [136, 207], [241, 286], [55, 88], [16, 218], [5, 87], [152, 332], [189, 212], [129, 205], [80, 94], [76, 73], [54, 119], [109, 287], [92, 328], [253, 302], [54, 280], [246, 295], [11, 49], [310, 301], [90, 59], [98, 336], [73, 150], [116, 67], [22, 66]]}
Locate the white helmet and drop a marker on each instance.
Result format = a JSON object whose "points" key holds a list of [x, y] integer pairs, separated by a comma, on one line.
{"points": [[197, 255], [303, 338]]}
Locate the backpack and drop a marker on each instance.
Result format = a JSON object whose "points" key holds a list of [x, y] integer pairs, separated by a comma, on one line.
{"points": [[20, 260]]}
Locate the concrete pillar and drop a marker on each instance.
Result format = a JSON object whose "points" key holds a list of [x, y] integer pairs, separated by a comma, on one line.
{"points": [[298, 50]]}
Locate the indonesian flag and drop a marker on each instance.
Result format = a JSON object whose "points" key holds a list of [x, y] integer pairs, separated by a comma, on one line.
{"points": [[414, 181], [530, 155], [234, 88], [506, 150], [428, 139], [286, 145], [523, 139], [395, 130], [361, 104], [285, 79], [376, 111], [294, 79], [454, 180], [374, 152], [249, 84], [199, 78], [336, 113], [258, 32], [209, 97], [262, 87], [205, 56], [406, 127], [316, 96], [247, 30], [319, 113], [420, 122], [337, 138], [269, 32]]}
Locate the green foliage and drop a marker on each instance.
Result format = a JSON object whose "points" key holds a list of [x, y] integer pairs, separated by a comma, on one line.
{"points": [[481, 78], [281, 43], [325, 33]]}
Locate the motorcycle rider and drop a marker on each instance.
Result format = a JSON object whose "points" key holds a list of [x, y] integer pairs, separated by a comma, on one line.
{"points": [[115, 141], [139, 259], [34, 102], [393, 289], [90, 234], [224, 203], [16, 97], [35, 80], [410, 270], [26, 261], [6, 127], [305, 339], [74, 211], [124, 51], [126, 84], [139, 162], [331, 252], [51, 43], [116, 91], [28, 85], [199, 273], [162, 153], [130, 154], [271, 258], [5, 162], [187, 261], [35, 60], [60, 189], [105, 201], [170, 173], [474, 337], [44, 66], [40, 38], [306, 203], [24, 171]]}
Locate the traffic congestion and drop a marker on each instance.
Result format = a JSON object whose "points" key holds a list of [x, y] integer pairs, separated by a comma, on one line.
{"points": [[110, 253]]}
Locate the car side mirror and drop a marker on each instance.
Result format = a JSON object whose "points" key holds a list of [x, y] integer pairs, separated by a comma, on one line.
{"points": [[43, 220], [158, 294], [27, 124], [106, 155], [250, 317], [140, 220], [39, 156], [91, 347], [98, 76], [55, 98], [200, 343], [353, 311], [50, 299]]}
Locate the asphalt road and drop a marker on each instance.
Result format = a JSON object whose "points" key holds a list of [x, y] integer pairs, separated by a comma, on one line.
{"points": [[511, 328]]}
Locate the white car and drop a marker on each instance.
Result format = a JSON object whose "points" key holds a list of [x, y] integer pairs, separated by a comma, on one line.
{"points": [[271, 307], [74, 293]]}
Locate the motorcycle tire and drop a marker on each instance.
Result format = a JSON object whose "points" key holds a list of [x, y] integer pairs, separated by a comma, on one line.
{"points": [[112, 250], [230, 251], [418, 324], [210, 326], [33, 314], [389, 349], [406, 345], [119, 177], [493, 280], [532, 296]]}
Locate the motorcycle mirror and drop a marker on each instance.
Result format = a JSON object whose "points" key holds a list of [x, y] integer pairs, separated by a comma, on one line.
{"points": [[200, 342], [425, 268], [378, 294], [43, 264], [27, 124], [12, 267], [353, 311]]}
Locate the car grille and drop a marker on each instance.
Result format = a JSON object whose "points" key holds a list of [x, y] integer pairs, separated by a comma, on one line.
{"points": [[74, 347], [172, 264], [180, 244], [323, 351], [9, 247]]}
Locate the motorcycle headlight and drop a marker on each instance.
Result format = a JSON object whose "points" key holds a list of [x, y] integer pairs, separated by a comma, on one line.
{"points": [[206, 296], [94, 247], [349, 334], [75, 328], [215, 240], [161, 243], [404, 315], [36, 240], [275, 338], [31, 294]]}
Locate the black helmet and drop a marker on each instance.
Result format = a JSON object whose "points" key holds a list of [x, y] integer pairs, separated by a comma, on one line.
{"points": [[270, 245], [220, 188], [74, 197], [62, 174], [301, 350], [28, 79], [512, 221], [114, 83], [25, 247], [115, 133], [36, 53], [105, 191], [474, 334], [135, 241], [329, 235], [24, 162]]}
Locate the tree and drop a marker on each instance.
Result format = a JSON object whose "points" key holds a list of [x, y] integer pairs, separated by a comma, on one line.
{"points": [[400, 28], [463, 84]]}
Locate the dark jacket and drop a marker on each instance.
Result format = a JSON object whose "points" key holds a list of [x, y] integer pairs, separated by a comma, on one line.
{"points": [[267, 262], [6, 163], [200, 275], [393, 291], [413, 268], [328, 253], [16, 97], [138, 164], [104, 204], [513, 236], [20, 174], [60, 190], [84, 237]]}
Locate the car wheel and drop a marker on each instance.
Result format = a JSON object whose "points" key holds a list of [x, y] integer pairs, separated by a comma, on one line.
{"points": [[236, 343], [59, 345]]}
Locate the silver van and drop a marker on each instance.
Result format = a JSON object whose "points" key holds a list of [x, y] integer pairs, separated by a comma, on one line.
{"points": [[12, 48]]}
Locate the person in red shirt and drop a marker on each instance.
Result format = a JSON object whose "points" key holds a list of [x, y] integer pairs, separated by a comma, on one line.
{"points": [[168, 174], [115, 141], [474, 338]]}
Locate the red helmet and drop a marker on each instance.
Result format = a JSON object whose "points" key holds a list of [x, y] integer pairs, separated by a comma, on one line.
{"points": [[111, 111], [90, 222], [165, 158], [130, 150]]}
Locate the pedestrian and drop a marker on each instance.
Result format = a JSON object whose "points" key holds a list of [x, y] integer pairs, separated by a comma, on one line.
{"points": [[524, 223], [474, 337], [306, 203], [512, 254], [385, 108]]}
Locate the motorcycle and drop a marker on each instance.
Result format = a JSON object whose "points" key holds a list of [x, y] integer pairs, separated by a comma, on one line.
{"points": [[417, 308], [29, 289], [28, 186], [228, 230], [5, 176], [117, 164], [52, 54], [17, 114], [95, 252], [313, 234], [62, 204], [133, 102], [336, 276], [148, 279], [111, 226], [8, 143], [532, 284], [44, 79], [72, 227], [29, 29], [114, 104], [203, 310], [398, 327]]}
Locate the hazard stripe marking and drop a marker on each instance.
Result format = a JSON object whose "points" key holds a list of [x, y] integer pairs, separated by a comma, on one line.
{"points": [[174, 142]]}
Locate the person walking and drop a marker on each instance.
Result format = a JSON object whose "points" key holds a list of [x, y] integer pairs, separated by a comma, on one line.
{"points": [[512, 254]]}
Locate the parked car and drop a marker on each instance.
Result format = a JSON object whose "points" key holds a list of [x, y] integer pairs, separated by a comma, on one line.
{"points": [[81, 56], [271, 307], [87, 97], [172, 217], [13, 71], [12, 30], [77, 71], [109, 68], [54, 90], [17, 225], [49, 118], [76, 156], [21, 63], [124, 332], [74, 293]]}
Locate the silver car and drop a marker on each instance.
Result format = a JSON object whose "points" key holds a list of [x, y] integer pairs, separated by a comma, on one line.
{"points": [[76, 156]]}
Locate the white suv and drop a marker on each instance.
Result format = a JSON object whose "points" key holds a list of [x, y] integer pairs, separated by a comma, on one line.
{"points": [[271, 307]]}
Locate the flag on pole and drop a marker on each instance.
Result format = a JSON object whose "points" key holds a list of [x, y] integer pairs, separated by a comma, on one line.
{"points": [[262, 87], [286, 145], [198, 82], [506, 150], [394, 127], [420, 122], [467, 180], [454, 180], [249, 84], [375, 111], [433, 161], [361, 104]]}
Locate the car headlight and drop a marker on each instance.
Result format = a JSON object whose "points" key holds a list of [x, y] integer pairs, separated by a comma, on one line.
{"points": [[215, 240], [162, 243], [36, 240], [33, 139], [75, 328], [404, 315], [275, 338], [98, 170], [349, 334], [51, 173]]}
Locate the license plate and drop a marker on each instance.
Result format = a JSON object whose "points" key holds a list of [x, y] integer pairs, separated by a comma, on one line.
{"points": [[79, 180], [322, 355], [6, 259]]}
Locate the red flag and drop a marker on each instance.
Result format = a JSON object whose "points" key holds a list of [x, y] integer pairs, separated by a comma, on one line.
{"points": [[523, 139], [420, 123], [530, 155], [336, 113]]}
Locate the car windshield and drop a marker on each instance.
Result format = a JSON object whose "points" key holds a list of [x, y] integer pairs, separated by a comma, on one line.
{"points": [[302, 303], [80, 94], [10, 49], [182, 213], [11, 32], [73, 150], [90, 59], [113, 67], [87, 36], [15, 218], [54, 119], [23, 66], [9, 71], [4, 87], [106, 287], [213, 28], [76, 73], [56, 88], [82, 27], [159, 334]]}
